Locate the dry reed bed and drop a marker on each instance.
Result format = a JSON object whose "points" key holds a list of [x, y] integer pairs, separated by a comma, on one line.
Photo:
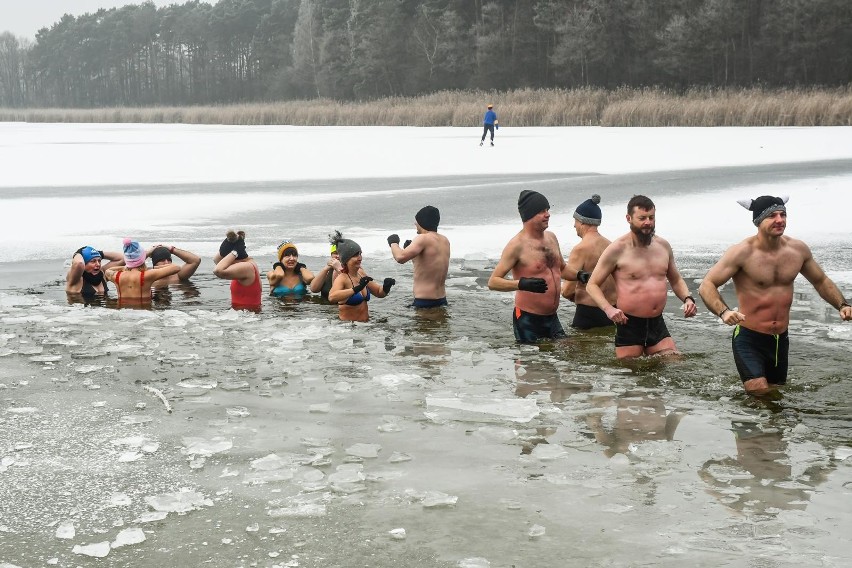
{"points": [[524, 107]]}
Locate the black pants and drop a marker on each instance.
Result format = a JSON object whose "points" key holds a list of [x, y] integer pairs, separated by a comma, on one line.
{"points": [[488, 128]]}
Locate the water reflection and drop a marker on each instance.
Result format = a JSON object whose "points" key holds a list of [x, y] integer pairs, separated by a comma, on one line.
{"points": [[761, 479]]}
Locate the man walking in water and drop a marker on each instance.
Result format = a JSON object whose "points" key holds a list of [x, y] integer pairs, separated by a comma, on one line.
{"points": [[537, 266], [763, 268], [641, 264], [430, 253], [489, 124], [583, 258]]}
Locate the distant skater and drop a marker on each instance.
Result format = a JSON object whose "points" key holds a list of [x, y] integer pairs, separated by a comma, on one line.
{"points": [[583, 258], [641, 264], [353, 288], [489, 123], [233, 263], [763, 268], [430, 253], [537, 266]]}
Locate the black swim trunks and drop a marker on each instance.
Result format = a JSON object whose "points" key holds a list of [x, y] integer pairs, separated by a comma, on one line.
{"points": [[761, 355], [530, 328], [588, 317], [418, 303], [646, 332]]}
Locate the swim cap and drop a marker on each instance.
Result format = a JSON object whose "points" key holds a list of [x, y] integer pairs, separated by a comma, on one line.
{"points": [[530, 204], [428, 218], [286, 244], [588, 211], [347, 249], [764, 206], [88, 253], [160, 254], [133, 254]]}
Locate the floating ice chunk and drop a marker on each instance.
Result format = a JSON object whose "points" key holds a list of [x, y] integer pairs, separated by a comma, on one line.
{"points": [[479, 409], [129, 457], [262, 477], [536, 531], [253, 528], [151, 516], [546, 452], [66, 530], [132, 535], [22, 410], [320, 408], [181, 501], [86, 369], [234, 384], [397, 534], [237, 412], [136, 419], [726, 473], [398, 457], [615, 508], [270, 462], [364, 450], [474, 562], [389, 427], [394, 380], [45, 358], [7, 565], [342, 386], [97, 550], [193, 387], [119, 500], [299, 511], [435, 499], [22, 446], [842, 452], [204, 447]]}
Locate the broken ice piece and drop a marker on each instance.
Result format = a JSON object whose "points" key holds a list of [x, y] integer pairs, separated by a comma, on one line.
{"points": [[97, 550], [133, 535], [397, 534], [65, 530]]}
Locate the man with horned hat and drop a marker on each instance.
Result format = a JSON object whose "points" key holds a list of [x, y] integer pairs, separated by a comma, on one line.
{"points": [[763, 268]]}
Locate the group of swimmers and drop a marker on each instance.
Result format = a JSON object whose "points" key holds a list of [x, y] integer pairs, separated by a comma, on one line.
{"points": [[621, 283]]}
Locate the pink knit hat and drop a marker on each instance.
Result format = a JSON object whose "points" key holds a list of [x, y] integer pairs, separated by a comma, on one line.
{"points": [[134, 255]]}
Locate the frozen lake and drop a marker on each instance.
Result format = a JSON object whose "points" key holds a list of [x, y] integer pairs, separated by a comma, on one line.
{"points": [[298, 440]]}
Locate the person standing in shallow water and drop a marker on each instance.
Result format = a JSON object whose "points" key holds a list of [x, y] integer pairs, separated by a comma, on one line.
{"points": [[430, 253], [763, 268], [353, 288], [583, 258], [233, 263], [537, 266], [642, 264], [489, 124]]}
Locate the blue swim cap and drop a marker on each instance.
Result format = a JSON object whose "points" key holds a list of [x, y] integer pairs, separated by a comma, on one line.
{"points": [[88, 253]]}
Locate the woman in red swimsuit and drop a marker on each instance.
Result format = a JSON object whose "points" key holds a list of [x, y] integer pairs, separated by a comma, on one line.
{"points": [[132, 280], [233, 263]]}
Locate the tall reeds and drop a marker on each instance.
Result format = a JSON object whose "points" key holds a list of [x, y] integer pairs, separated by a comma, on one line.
{"points": [[523, 107]]}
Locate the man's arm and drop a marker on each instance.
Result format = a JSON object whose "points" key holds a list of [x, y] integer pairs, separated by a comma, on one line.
{"points": [[719, 273], [191, 262], [825, 286], [114, 258], [606, 265], [679, 286], [403, 255], [508, 260]]}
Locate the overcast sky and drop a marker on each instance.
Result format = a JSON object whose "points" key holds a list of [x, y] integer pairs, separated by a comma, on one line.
{"points": [[25, 17]]}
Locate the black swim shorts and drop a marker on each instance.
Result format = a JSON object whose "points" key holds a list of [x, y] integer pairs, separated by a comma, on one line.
{"points": [[588, 317], [646, 332], [419, 303], [761, 355], [530, 328]]}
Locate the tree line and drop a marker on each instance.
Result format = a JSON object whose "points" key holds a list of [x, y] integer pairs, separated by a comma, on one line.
{"points": [[353, 50]]}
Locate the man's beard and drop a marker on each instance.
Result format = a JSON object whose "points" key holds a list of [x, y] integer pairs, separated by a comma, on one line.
{"points": [[643, 238]]}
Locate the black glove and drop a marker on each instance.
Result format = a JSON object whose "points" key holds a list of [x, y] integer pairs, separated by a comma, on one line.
{"points": [[393, 239], [407, 242], [277, 264], [583, 276], [388, 283], [536, 285], [361, 284], [100, 252], [299, 267]]}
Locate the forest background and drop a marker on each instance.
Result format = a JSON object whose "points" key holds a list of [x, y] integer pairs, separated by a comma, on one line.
{"points": [[437, 62]]}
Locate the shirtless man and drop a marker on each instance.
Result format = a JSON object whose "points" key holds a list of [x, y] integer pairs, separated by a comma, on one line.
{"points": [[431, 255], [641, 264], [537, 266], [583, 259], [763, 268], [161, 255], [86, 275]]}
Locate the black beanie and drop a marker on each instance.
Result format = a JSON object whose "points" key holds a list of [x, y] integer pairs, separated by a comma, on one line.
{"points": [[428, 218], [763, 207], [588, 211], [160, 254], [530, 204]]}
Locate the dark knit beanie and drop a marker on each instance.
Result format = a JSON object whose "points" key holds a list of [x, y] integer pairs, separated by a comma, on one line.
{"points": [[347, 248], [428, 218], [588, 211], [160, 254], [530, 204], [764, 206]]}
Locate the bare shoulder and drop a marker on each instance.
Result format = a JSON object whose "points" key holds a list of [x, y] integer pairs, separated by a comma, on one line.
{"points": [[797, 246]]}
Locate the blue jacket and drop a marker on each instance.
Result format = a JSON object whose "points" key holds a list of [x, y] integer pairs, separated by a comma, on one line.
{"points": [[490, 117]]}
